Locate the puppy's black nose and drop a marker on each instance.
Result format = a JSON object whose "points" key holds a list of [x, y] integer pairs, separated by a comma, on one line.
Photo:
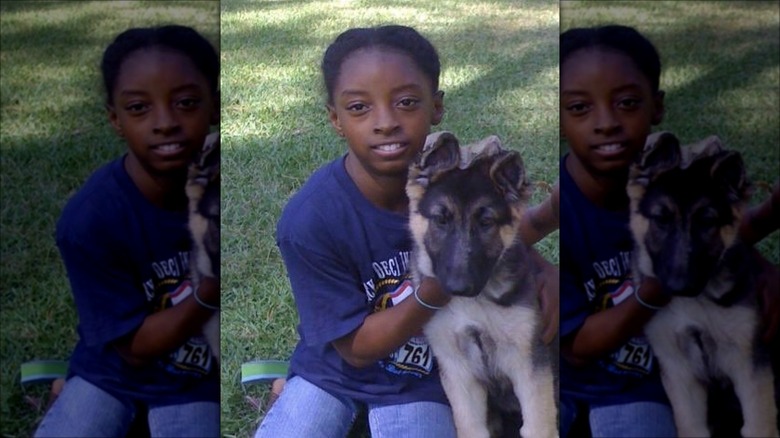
{"points": [[461, 290]]}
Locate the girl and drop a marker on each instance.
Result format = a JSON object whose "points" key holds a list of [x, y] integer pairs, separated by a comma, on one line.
{"points": [[125, 244], [610, 99], [345, 242]]}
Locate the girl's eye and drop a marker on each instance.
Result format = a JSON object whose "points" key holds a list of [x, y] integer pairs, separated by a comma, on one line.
{"points": [[357, 107], [628, 103], [136, 108], [188, 103], [408, 102], [577, 108]]}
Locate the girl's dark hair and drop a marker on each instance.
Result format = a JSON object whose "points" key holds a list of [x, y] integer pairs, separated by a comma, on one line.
{"points": [[401, 38], [179, 38], [623, 39]]}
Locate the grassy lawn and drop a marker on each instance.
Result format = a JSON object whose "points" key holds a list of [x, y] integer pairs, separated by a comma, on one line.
{"points": [[720, 70], [54, 133], [500, 76]]}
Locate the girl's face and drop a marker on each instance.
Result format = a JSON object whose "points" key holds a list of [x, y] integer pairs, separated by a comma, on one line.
{"points": [[163, 108], [607, 109], [384, 105]]}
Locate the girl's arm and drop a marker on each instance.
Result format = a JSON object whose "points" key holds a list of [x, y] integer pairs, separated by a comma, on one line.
{"points": [[548, 288], [166, 330], [542, 219], [768, 287], [605, 331], [761, 220], [384, 332]]}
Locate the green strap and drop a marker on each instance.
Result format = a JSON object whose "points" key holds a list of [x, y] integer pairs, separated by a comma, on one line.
{"points": [[41, 371], [261, 371]]}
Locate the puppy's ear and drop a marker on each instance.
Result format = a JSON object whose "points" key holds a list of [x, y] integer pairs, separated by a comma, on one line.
{"points": [[662, 152], [210, 150], [728, 172], [508, 174], [440, 154], [486, 147]]}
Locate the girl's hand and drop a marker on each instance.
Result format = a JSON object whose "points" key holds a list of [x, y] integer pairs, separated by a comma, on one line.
{"points": [[209, 291], [432, 293]]}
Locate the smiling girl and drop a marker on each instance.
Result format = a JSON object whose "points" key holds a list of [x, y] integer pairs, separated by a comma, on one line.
{"points": [[124, 242], [345, 243]]}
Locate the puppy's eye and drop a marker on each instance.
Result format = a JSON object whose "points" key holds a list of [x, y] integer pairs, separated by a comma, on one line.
{"points": [[707, 218], [441, 219], [662, 216], [486, 221]]}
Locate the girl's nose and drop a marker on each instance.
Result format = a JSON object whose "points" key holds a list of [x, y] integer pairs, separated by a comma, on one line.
{"points": [[606, 122], [165, 121], [385, 121]]}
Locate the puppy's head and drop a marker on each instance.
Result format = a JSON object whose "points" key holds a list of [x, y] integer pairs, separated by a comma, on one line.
{"points": [[464, 215], [686, 204]]}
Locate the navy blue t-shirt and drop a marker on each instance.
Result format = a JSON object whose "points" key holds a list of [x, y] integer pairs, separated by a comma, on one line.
{"points": [[127, 259], [346, 259], [596, 246]]}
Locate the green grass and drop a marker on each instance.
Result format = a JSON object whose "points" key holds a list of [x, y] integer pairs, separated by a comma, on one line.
{"points": [[53, 133], [721, 74], [500, 76]]}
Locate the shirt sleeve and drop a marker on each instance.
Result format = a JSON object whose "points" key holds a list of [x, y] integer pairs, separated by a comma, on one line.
{"points": [[110, 300], [327, 294]]}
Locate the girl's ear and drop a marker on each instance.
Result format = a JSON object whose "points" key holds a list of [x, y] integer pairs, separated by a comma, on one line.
{"points": [[658, 100], [114, 119], [334, 120], [438, 107]]}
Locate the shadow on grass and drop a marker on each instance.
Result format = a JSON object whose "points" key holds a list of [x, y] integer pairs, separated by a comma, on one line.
{"points": [[741, 56]]}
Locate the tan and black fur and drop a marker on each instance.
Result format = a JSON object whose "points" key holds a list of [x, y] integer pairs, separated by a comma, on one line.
{"points": [[465, 207], [203, 191], [686, 204]]}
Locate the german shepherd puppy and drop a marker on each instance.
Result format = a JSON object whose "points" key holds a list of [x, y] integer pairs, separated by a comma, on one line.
{"points": [[203, 184], [686, 204], [465, 205]]}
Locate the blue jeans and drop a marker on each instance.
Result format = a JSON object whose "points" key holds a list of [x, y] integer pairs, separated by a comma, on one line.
{"points": [[84, 410], [637, 419], [305, 410]]}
